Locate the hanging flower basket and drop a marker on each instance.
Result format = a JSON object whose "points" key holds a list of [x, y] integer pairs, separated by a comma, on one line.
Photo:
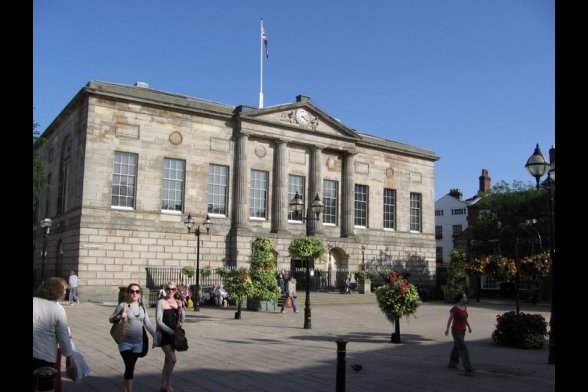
{"points": [[397, 298]]}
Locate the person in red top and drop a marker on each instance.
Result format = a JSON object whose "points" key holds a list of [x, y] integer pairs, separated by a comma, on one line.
{"points": [[459, 316]]}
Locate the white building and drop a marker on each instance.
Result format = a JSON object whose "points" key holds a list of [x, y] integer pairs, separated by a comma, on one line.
{"points": [[451, 217]]}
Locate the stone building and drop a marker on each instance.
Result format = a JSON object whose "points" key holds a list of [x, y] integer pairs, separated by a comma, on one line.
{"points": [[126, 164]]}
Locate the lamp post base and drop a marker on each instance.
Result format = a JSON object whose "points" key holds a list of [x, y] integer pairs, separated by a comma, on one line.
{"points": [[307, 323]]}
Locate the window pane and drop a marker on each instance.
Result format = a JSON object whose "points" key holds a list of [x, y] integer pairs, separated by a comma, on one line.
{"points": [[295, 184], [173, 184], [218, 182], [123, 179], [258, 194], [389, 208], [361, 205], [330, 201]]}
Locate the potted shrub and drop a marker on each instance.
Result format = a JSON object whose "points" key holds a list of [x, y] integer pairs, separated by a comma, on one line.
{"points": [[397, 298], [266, 290], [364, 283]]}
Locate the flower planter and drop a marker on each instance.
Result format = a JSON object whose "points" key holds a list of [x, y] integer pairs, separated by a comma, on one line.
{"points": [[261, 306], [364, 286]]}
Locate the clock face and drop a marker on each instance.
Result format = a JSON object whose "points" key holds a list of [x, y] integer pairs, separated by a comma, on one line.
{"points": [[302, 117]]}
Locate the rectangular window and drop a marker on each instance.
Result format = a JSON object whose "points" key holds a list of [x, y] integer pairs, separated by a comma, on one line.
{"points": [[389, 208], [172, 189], [295, 184], [438, 232], [258, 194], [458, 211], [439, 254], [457, 229], [124, 179], [438, 212], [330, 201], [415, 211], [218, 183], [361, 205], [489, 283]]}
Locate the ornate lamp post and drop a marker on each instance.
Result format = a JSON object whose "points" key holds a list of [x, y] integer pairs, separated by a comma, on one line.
{"points": [[537, 166], [363, 258], [45, 225], [189, 222], [317, 207]]}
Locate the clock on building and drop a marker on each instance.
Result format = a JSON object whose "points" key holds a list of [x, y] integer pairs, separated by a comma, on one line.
{"points": [[302, 117]]}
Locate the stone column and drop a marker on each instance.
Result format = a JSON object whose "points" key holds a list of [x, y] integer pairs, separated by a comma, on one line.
{"points": [[348, 197], [280, 188], [315, 185], [241, 199]]}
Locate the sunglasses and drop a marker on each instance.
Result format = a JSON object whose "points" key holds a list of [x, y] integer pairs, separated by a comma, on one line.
{"points": [[171, 289], [135, 291]]}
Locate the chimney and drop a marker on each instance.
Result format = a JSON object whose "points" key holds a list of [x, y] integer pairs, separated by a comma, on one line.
{"points": [[485, 182], [302, 98], [456, 193], [142, 84]]}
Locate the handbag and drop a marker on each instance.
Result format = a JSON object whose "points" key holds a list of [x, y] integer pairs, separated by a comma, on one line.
{"points": [[118, 331], [180, 340], [288, 303], [145, 348]]}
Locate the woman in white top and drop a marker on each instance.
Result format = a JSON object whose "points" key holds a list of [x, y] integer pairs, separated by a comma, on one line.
{"points": [[50, 325]]}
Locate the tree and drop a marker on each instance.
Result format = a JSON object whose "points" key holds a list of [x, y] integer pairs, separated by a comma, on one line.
{"points": [[238, 284], [501, 234], [263, 270], [39, 178], [456, 275]]}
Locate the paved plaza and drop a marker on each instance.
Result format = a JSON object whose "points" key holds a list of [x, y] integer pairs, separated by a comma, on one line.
{"points": [[270, 351]]}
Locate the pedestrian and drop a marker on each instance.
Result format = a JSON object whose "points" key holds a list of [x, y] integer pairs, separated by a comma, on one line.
{"points": [[50, 328], [290, 294], [282, 282], [169, 315], [137, 318], [221, 296], [459, 316], [73, 288]]}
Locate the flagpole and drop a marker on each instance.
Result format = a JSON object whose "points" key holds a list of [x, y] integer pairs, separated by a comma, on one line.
{"points": [[261, 65]]}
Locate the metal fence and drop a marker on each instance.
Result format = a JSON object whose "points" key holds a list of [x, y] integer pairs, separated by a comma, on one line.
{"points": [[327, 280]]}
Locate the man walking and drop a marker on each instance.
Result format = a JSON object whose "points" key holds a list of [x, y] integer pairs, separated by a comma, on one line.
{"points": [[73, 288]]}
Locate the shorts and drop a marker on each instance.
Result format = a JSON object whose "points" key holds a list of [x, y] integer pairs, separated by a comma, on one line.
{"points": [[134, 347]]}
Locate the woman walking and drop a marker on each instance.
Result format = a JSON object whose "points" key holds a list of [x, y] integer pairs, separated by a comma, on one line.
{"points": [[169, 315], [131, 347], [459, 316]]}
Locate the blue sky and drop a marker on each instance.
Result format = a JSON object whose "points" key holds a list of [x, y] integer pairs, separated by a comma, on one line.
{"points": [[471, 80]]}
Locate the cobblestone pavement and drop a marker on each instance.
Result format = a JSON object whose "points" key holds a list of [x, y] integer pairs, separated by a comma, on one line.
{"points": [[270, 351]]}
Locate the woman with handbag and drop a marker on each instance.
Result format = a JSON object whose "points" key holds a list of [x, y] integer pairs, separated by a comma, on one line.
{"points": [[169, 315], [134, 318], [290, 295]]}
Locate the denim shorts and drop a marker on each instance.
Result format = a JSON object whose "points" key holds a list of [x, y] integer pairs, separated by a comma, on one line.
{"points": [[135, 347]]}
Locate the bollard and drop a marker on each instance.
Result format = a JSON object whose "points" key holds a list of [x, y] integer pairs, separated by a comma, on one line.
{"points": [[341, 353], [43, 378]]}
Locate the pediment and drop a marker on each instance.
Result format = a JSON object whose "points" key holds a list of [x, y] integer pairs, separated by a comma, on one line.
{"points": [[301, 115]]}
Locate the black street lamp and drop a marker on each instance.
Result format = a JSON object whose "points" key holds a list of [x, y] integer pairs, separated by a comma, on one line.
{"points": [[45, 225], [189, 222], [317, 207], [537, 166], [363, 258]]}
